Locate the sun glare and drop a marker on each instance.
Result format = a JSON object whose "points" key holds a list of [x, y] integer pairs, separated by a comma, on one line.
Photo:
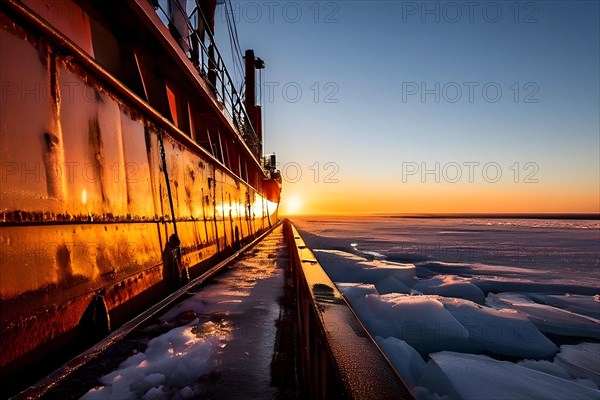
{"points": [[293, 205]]}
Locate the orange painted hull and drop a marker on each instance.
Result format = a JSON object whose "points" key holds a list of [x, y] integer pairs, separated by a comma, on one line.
{"points": [[104, 156]]}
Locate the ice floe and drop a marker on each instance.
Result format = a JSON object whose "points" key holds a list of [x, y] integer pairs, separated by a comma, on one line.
{"points": [[476, 377], [451, 286], [547, 318]]}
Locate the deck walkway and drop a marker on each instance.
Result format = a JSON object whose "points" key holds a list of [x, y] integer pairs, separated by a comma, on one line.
{"points": [[250, 299], [233, 338]]}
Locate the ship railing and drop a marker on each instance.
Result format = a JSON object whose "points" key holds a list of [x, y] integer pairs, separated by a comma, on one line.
{"points": [[190, 28]]}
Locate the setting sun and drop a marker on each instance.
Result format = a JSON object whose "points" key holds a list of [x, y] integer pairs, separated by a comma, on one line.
{"points": [[292, 205]]}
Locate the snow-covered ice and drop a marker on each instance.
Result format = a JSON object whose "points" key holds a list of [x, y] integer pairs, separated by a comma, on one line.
{"points": [[363, 270], [170, 362], [451, 286], [584, 305], [581, 361], [435, 323], [503, 332], [547, 318], [409, 364], [421, 321], [491, 309], [389, 284], [476, 377]]}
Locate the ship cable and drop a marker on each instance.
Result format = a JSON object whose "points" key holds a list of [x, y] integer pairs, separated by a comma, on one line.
{"points": [[163, 159], [180, 272], [235, 53], [234, 37], [236, 50]]}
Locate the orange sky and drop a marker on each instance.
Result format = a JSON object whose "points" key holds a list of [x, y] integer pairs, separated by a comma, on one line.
{"points": [[365, 198]]}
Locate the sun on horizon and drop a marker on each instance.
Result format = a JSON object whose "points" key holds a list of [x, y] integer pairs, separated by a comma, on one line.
{"points": [[292, 205]]}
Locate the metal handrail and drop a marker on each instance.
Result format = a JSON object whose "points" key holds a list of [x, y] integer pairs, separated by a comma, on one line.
{"points": [[210, 65]]}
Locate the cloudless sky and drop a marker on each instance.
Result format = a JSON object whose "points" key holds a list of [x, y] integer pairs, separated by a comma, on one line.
{"points": [[409, 107]]}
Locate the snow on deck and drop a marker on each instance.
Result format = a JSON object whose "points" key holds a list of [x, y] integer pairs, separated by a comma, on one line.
{"points": [[221, 340]]}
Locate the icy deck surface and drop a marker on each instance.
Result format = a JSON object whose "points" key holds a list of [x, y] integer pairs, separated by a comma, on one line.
{"points": [[219, 343]]}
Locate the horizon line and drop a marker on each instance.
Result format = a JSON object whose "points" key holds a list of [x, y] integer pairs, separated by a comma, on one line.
{"points": [[541, 215]]}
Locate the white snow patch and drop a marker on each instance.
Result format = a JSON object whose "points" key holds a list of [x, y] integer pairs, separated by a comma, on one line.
{"points": [[171, 361]]}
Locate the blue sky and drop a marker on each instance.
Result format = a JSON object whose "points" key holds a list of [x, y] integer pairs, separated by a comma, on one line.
{"points": [[374, 58]]}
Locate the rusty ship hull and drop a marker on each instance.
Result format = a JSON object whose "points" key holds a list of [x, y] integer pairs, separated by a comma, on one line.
{"points": [[129, 166]]}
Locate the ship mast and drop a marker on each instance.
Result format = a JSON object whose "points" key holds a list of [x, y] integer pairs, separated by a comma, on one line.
{"points": [[254, 111]]}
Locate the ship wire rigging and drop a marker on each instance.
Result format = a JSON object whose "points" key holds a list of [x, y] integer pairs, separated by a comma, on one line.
{"points": [[234, 43]]}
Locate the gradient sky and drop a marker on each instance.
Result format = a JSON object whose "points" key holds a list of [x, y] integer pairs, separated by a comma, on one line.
{"points": [[372, 132]]}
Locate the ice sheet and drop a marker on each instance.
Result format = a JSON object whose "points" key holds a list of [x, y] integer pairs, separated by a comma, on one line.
{"points": [[547, 318], [476, 377]]}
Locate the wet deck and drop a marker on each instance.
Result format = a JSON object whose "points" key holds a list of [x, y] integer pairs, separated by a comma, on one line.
{"points": [[249, 298], [238, 339]]}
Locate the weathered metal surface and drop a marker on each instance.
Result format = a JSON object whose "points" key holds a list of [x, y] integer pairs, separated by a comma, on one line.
{"points": [[338, 356], [84, 209]]}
